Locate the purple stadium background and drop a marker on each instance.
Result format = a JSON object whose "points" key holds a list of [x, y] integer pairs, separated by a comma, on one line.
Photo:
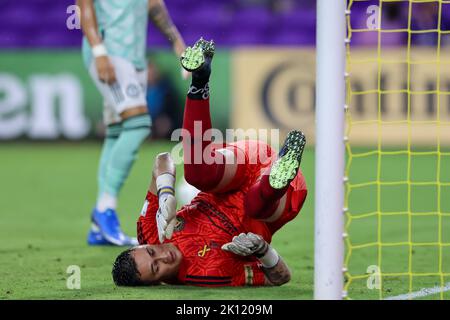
{"points": [[42, 23]]}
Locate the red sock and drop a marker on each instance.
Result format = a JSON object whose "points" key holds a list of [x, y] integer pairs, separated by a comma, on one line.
{"points": [[197, 120], [262, 200]]}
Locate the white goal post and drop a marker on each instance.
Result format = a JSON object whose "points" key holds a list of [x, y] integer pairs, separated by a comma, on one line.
{"points": [[330, 149]]}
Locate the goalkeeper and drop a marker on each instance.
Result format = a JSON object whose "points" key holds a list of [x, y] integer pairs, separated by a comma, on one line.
{"points": [[222, 237]]}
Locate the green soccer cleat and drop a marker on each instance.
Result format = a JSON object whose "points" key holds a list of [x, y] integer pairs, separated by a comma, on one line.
{"points": [[289, 159], [208, 47], [193, 58]]}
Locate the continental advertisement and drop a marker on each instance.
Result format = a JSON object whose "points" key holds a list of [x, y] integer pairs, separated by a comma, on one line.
{"points": [[48, 95], [391, 103]]}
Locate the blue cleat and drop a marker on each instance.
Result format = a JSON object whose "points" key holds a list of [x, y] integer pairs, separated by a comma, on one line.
{"points": [[108, 226], [95, 237]]}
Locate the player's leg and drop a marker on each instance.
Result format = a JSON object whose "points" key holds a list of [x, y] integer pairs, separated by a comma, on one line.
{"points": [[111, 135], [267, 198], [127, 97], [289, 205], [132, 108], [205, 167], [113, 125]]}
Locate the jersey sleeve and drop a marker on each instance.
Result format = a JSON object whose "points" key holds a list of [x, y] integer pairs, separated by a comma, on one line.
{"points": [[250, 274], [147, 230]]}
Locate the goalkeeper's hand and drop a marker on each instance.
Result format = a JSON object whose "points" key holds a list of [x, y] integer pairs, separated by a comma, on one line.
{"points": [[165, 218], [247, 244], [253, 244]]}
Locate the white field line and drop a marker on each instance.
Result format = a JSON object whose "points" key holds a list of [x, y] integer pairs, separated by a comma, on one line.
{"points": [[421, 293]]}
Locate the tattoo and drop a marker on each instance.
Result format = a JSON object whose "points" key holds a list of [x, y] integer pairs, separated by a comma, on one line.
{"points": [[160, 17], [279, 274]]}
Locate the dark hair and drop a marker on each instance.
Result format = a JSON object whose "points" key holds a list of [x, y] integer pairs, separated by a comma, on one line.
{"points": [[125, 272]]}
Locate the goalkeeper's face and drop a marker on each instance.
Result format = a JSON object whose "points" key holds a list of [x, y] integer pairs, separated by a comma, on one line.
{"points": [[157, 263]]}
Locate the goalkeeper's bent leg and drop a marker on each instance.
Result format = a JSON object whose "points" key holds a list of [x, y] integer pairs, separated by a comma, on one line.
{"points": [[263, 199], [223, 172], [279, 212], [218, 173]]}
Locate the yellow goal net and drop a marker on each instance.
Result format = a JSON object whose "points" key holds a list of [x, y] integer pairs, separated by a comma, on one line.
{"points": [[397, 198]]}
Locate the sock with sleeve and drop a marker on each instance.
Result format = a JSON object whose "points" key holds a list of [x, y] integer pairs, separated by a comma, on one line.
{"points": [[134, 131], [112, 134]]}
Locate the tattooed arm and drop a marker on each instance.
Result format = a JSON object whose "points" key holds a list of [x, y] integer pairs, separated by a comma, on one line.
{"points": [[277, 275], [161, 19]]}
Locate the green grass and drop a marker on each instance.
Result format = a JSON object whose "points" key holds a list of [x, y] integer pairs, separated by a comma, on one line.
{"points": [[47, 192], [403, 241]]}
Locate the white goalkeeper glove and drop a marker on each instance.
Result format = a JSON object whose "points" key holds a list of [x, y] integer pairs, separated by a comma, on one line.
{"points": [[253, 244], [165, 218]]}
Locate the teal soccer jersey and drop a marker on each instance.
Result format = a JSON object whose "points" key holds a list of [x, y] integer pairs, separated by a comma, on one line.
{"points": [[123, 27]]}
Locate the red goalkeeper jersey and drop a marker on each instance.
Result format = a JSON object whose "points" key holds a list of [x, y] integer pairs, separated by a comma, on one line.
{"points": [[212, 220]]}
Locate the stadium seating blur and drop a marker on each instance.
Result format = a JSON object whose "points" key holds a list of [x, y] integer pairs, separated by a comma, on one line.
{"points": [[41, 23]]}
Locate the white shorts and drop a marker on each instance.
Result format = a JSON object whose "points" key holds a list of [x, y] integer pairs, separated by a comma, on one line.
{"points": [[129, 91]]}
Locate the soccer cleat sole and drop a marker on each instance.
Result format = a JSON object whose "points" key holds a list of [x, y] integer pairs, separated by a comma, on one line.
{"points": [[192, 58], [286, 167], [208, 47]]}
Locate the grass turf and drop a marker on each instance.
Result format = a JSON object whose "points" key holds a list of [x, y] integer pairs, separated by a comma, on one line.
{"points": [[47, 192]]}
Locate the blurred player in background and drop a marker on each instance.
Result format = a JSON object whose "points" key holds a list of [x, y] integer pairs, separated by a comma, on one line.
{"points": [[222, 237], [163, 103], [114, 51]]}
